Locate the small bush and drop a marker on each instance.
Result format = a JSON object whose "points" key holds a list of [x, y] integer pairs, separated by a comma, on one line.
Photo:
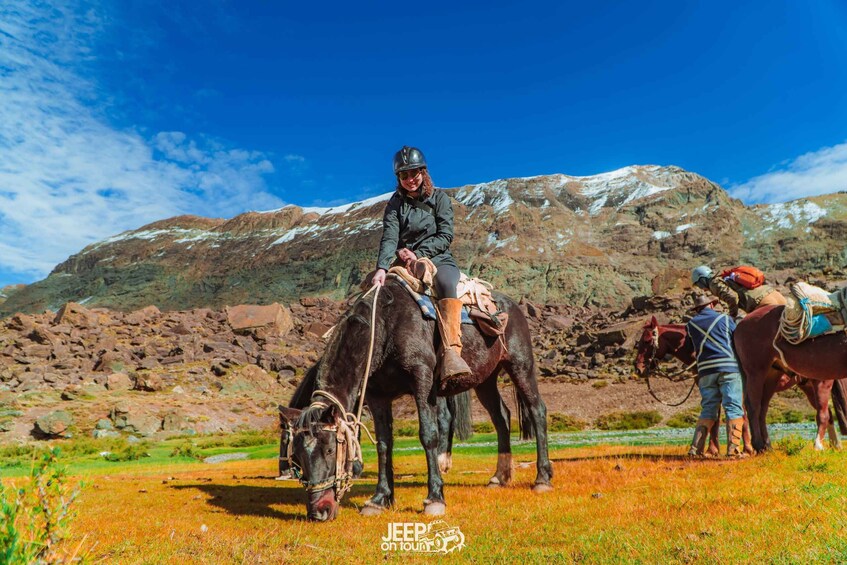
{"points": [[687, 419], [35, 517], [600, 384], [639, 420], [790, 445], [130, 452], [565, 423], [186, 449], [406, 428], [788, 416], [485, 427]]}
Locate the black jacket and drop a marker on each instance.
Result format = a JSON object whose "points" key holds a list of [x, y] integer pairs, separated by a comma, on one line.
{"points": [[427, 233]]}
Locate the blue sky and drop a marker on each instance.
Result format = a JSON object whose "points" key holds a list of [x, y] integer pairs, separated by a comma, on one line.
{"points": [[116, 114]]}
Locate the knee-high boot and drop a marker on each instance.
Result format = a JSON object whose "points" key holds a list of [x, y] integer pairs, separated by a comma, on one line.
{"points": [[450, 326], [734, 431], [701, 433]]}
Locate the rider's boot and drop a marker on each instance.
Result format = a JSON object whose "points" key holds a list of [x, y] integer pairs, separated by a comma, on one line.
{"points": [[734, 432], [450, 325], [701, 434]]}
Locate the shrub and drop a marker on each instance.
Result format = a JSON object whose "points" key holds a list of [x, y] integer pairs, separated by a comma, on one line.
{"points": [[406, 428], [130, 452], [34, 518], [639, 420], [600, 384], [564, 423], [778, 415], [686, 419], [485, 427], [186, 449], [790, 445]]}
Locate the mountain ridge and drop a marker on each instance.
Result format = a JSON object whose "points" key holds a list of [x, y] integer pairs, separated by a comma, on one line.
{"points": [[593, 240]]}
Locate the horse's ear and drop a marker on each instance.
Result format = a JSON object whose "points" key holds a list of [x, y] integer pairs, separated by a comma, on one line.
{"points": [[288, 415], [653, 323], [329, 414]]}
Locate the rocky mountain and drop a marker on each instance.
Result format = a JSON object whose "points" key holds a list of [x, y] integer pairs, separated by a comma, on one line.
{"points": [[585, 241]]}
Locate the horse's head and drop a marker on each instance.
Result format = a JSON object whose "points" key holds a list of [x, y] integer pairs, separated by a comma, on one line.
{"points": [[649, 348], [322, 451]]}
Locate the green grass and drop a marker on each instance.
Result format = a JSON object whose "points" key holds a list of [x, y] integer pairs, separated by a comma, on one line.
{"points": [[638, 420]]}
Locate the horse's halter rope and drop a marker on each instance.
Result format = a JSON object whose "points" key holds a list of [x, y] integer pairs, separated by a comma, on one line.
{"points": [[348, 450], [653, 363]]}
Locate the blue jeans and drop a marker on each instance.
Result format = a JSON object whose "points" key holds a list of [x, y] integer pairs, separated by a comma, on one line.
{"points": [[719, 387]]}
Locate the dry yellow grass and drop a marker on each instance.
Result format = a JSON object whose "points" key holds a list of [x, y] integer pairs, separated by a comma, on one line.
{"points": [[611, 504]]}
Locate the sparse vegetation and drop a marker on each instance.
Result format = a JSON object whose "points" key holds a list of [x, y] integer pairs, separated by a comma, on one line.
{"points": [[686, 419], [35, 516], [638, 420], [791, 445], [564, 423], [600, 384]]}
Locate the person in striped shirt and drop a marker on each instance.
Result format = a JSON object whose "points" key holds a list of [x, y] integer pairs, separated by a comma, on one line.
{"points": [[718, 375]]}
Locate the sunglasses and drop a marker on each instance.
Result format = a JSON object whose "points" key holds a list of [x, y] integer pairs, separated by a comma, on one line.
{"points": [[406, 175]]}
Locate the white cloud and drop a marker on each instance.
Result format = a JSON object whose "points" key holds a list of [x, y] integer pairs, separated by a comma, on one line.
{"points": [[819, 172], [69, 178]]}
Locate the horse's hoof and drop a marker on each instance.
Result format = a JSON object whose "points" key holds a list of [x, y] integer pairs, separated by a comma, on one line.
{"points": [[541, 488], [494, 482], [434, 508], [371, 510]]}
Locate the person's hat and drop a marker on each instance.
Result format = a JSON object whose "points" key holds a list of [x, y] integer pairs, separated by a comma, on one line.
{"points": [[703, 300]]}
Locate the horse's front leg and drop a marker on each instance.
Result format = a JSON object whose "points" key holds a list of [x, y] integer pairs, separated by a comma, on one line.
{"points": [[428, 432], [383, 498], [753, 401]]}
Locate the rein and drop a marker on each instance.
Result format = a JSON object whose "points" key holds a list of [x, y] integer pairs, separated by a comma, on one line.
{"points": [[653, 364], [348, 449]]}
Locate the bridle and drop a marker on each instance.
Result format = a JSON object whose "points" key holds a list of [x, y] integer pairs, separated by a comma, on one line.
{"points": [[348, 450], [652, 364]]}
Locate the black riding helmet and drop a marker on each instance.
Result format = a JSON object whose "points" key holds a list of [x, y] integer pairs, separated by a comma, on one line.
{"points": [[408, 158]]}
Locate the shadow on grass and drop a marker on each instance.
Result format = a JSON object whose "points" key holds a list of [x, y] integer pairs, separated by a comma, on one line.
{"points": [[647, 456], [252, 500]]}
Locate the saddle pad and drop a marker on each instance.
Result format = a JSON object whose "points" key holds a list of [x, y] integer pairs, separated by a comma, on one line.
{"points": [[426, 306]]}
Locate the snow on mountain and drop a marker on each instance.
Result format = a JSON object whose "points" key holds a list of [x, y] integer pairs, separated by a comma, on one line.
{"points": [[788, 214]]}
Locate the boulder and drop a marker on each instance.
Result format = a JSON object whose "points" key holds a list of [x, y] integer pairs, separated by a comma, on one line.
{"points": [[315, 329], [119, 381], [149, 382], [75, 315], [54, 424], [129, 419], [274, 319]]}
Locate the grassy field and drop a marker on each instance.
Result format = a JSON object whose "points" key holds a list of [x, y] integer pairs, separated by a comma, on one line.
{"points": [[619, 497]]}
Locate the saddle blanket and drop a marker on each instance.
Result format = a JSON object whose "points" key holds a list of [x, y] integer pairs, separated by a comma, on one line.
{"points": [[426, 305]]}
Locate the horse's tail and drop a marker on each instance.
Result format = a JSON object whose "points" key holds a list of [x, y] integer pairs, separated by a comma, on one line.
{"points": [[303, 394], [525, 425], [840, 403], [462, 424]]}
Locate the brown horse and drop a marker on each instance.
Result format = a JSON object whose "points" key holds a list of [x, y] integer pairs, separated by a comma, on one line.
{"points": [[658, 341], [765, 357]]}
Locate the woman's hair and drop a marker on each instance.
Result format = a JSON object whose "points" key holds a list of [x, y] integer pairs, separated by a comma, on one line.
{"points": [[427, 187], [426, 184]]}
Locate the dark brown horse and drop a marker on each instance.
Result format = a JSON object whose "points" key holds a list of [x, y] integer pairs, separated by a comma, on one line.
{"points": [[658, 341], [765, 357], [404, 362], [454, 420]]}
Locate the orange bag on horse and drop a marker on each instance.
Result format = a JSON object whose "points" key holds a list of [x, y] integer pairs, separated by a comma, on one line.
{"points": [[745, 275]]}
